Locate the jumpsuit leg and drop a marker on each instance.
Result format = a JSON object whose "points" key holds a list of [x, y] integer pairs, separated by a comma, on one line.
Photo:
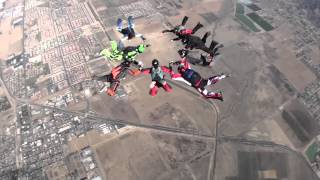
{"points": [[204, 61], [213, 45], [153, 88], [119, 25], [105, 78], [184, 20], [166, 86], [130, 22], [114, 84], [215, 79], [204, 38], [211, 95], [168, 30], [197, 27]]}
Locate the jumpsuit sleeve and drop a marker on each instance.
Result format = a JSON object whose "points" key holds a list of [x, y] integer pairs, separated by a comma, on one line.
{"points": [[133, 72], [166, 70], [176, 39], [146, 71]]}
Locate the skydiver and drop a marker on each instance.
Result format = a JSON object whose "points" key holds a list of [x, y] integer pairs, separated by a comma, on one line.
{"points": [[118, 52], [128, 32], [114, 53], [180, 31], [195, 42], [194, 79], [205, 60], [157, 77], [117, 73]]}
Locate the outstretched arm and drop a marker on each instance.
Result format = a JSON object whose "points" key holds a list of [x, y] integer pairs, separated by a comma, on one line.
{"points": [[134, 72], [176, 39], [168, 30], [166, 69], [146, 71]]}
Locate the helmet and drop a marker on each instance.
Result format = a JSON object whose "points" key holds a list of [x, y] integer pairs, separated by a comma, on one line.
{"points": [[183, 52], [141, 48], [126, 63], [155, 63]]}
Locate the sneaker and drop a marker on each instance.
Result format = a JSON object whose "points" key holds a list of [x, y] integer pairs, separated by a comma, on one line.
{"points": [[110, 92], [222, 76], [219, 96]]}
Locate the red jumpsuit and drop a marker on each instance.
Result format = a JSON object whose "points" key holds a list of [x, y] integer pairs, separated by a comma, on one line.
{"points": [[114, 77], [158, 79]]}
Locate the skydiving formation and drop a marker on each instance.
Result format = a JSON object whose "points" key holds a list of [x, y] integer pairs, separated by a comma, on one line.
{"points": [[179, 70]]}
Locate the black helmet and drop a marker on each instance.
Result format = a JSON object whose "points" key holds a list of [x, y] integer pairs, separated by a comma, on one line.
{"points": [[126, 63], [183, 52], [155, 63]]}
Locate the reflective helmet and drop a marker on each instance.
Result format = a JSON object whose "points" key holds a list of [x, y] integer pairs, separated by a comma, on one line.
{"points": [[155, 63], [126, 63], [183, 52]]}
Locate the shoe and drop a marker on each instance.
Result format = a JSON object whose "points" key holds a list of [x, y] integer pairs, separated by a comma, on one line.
{"points": [[219, 96], [222, 76], [110, 92], [167, 87], [153, 91], [214, 95]]}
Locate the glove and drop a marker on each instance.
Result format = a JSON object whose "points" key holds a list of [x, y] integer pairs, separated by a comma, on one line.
{"points": [[153, 83], [140, 64], [170, 64]]}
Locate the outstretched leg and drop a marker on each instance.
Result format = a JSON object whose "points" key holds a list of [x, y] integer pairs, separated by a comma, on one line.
{"points": [[204, 38], [184, 20], [215, 79], [213, 45], [153, 89], [130, 23], [166, 86], [113, 87], [196, 28], [119, 25], [212, 95], [204, 60], [105, 78]]}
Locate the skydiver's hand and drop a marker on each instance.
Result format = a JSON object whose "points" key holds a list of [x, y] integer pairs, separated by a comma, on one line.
{"points": [[153, 83], [140, 64]]}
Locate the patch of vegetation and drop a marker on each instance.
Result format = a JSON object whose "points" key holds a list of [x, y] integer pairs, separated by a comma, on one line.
{"points": [[260, 21], [312, 151], [247, 22], [239, 9]]}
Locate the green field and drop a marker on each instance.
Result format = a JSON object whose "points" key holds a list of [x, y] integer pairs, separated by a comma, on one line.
{"points": [[260, 21], [246, 21], [239, 9], [311, 151]]}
